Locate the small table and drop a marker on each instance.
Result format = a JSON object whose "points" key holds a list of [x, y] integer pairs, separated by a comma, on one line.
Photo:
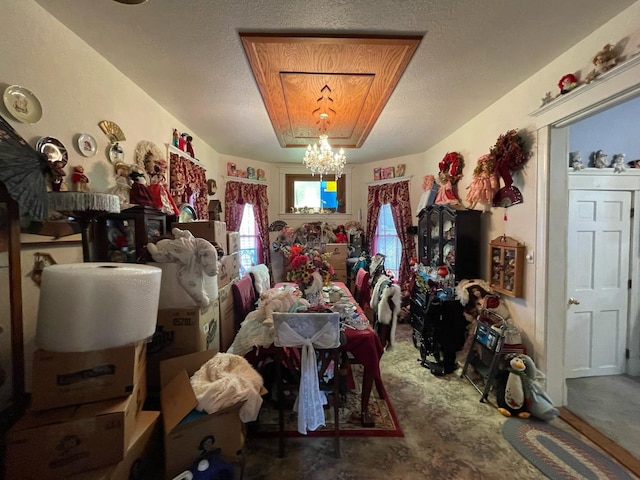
{"points": [[367, 350]]}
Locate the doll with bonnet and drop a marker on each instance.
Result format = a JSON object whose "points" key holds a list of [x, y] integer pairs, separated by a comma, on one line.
{"points": [[429, 192], [450, 172]]}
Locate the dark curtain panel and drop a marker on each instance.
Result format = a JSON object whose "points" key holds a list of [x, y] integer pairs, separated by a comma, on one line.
{"points": [[189, 181], [397, 195], [236, 195]]}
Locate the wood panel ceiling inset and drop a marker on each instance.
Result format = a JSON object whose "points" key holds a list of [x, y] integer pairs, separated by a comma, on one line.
{"points": [[349, 78]]}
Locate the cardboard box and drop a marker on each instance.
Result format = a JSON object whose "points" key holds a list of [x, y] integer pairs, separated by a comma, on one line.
{"points": [[143, 458], [228, 269], [71, 378], [181, 331], [337, 250], [183, 438], [233, 242], [56, 443], [227, 326], [340, 275], [212, 230]]}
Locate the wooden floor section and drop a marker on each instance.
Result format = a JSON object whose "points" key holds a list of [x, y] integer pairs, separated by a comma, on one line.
{"points": [[605, 443]]}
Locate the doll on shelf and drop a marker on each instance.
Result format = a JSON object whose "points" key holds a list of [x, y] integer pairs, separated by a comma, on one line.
{"points": [[79, 179], [450, 172], [484, 184], [341, 234], [176, 138], [159, 189], [122, 188], [140, 194], [189, 146]]}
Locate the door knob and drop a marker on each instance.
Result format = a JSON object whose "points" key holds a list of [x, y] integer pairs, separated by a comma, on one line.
{"points": [[573, 301]]}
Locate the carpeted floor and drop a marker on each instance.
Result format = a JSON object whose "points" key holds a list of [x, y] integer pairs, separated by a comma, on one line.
{"points": [[380, 410], [448, 434]]}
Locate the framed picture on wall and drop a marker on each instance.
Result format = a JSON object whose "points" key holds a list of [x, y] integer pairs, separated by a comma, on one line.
{"points": [[388, 172], [377, 174]]}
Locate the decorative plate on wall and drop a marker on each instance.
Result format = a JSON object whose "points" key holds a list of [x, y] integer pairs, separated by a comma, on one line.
{"points": [[53, 149], [87, 145], [22, 104]]}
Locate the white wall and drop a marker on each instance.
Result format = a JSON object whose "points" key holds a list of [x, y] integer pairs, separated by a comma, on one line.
{"points": [[78, 89]]}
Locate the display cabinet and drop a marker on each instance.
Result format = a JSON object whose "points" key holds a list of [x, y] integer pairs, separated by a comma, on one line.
{"points": [[450, 237], [121, 237], [507, 265]]}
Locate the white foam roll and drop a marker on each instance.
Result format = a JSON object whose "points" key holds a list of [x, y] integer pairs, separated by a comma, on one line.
{"points": [[173, 294], [93, 306]]}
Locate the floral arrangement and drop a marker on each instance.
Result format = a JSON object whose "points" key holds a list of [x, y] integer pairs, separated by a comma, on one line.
{"points": [[304, 262]]}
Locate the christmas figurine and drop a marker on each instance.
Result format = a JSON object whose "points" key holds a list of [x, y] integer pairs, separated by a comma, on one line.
{"points": [[79, 179]]}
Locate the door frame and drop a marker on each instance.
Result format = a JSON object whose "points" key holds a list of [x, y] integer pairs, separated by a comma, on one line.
{"points": [[552, 120]]}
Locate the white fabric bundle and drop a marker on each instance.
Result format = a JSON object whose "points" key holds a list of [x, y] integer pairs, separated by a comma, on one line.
{"points": [[225, 380], [261, 275], [310, 399]]}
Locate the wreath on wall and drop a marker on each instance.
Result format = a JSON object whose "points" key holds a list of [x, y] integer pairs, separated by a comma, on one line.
{"points": [[508, 155]]}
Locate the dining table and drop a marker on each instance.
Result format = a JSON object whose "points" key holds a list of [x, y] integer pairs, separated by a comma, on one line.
{"points": [[364, 346]]}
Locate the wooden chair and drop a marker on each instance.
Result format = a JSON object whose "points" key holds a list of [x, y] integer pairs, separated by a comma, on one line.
{"points": [[310, 332]]}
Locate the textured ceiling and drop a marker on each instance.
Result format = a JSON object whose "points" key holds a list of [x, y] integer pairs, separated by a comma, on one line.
{"points": [[472, 53]]}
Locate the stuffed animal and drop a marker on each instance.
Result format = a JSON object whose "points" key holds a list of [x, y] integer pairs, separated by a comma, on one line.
{"points": [[196, 257], [518, 392], [511, 389]]}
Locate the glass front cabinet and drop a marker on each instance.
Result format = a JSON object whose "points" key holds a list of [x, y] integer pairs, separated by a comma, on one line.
{"points": [[121, 237], [507, 265], [450, 237]]}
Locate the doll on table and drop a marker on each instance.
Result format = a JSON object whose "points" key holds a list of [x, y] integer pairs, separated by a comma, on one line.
{"points": [[140, 194], [341, 235]]}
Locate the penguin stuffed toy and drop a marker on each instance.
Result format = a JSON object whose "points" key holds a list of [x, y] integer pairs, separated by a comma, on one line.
{"points": [[511, 388]]}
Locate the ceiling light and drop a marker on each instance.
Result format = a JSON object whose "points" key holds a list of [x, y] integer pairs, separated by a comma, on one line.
{"points": [[319, 158]]}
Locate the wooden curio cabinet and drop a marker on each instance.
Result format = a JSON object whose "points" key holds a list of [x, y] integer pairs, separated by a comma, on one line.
{"points": [[121, 237], [451, 237], [507, 265]]}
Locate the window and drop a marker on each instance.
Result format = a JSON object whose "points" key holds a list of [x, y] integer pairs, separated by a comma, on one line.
{"points": [[386, 241], [309, 194], [249, 240]]}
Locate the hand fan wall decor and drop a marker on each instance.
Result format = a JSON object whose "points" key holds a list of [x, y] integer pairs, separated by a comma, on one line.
{"points": [[112, 131]]}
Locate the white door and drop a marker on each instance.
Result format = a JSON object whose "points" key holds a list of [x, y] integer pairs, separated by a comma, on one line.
{"points": [[597, 282]]}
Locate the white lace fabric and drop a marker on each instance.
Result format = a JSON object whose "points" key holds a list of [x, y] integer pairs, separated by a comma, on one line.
{"points": [[310, 399]]}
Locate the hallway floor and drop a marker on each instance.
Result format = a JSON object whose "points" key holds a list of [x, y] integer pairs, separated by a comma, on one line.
{"points": [[611, 404]]}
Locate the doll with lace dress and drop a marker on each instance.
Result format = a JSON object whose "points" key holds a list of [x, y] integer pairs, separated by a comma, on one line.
{"points": [[160, 190], [122, 188], [484, 183]]}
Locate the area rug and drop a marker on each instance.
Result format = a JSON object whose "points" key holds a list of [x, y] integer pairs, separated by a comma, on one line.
{"points": [[558, 454], [380, 409]]}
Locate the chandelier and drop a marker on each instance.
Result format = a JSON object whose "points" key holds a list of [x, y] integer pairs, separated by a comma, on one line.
{"points": [[319, 158]]}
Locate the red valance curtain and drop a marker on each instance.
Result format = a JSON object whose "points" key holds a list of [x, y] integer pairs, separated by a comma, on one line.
{"points": [[236, 195], [188, 184], [396, 194]]}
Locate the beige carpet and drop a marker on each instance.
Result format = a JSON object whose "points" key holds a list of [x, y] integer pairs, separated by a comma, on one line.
{"points": [[449, 435]]}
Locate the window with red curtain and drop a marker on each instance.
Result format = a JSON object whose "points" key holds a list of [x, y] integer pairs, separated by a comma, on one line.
{"points": [[236, 196], [188, 184], [396, 194]]}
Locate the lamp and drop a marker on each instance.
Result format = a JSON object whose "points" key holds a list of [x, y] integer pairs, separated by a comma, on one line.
{"points": [[320, 159]]}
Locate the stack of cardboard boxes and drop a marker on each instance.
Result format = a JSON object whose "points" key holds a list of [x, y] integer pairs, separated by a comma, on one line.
{"points": [[86, 416], [228, 272], [338, 260]]}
